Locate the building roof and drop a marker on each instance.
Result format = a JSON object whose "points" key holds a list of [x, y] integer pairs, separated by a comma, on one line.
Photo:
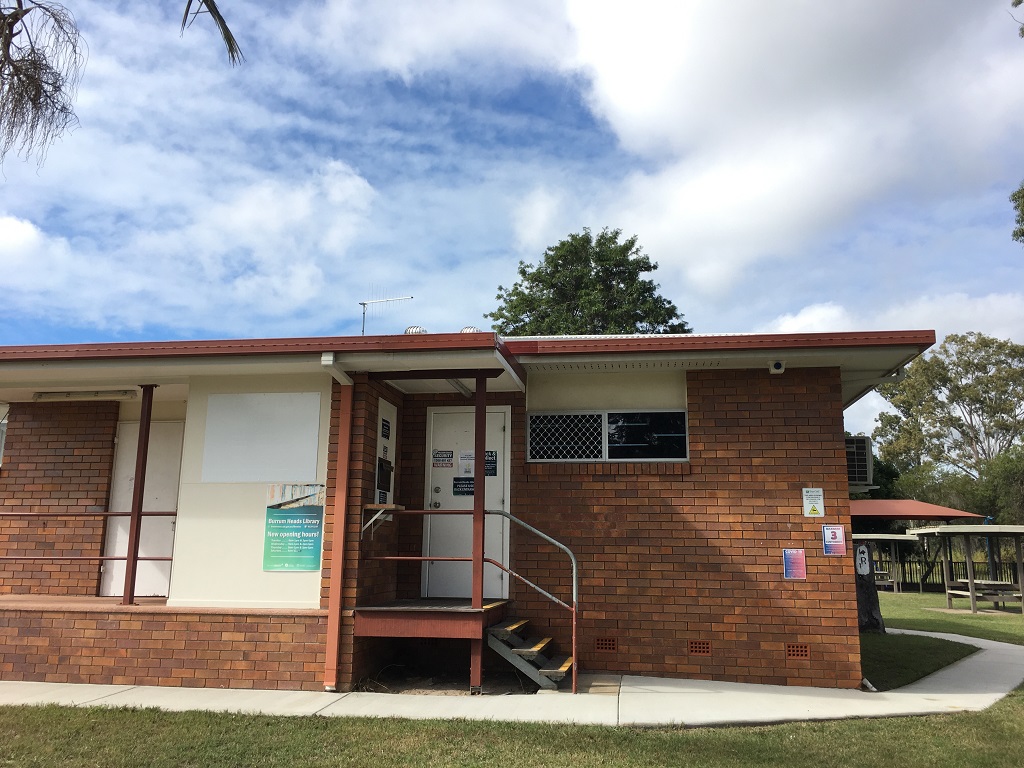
{"points": [[905, 509], [865, 359]]}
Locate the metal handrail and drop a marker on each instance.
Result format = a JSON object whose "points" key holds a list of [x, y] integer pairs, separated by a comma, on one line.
{"points": [[573, 609], [554, 542]]}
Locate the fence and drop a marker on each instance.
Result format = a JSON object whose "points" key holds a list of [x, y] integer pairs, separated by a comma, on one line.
{"points": [[909, 571]]}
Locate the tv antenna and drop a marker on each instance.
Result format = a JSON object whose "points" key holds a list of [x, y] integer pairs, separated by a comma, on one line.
{"points": [[364, 304]]}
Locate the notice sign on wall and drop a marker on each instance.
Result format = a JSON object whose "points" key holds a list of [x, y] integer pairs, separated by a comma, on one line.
{"points": [[834, 537], [794, 564], [293, 534], [467, 463], [814, 502]]}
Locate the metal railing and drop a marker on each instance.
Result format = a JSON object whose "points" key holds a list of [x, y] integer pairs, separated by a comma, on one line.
{"points": [[76, 558], [572, 607]]}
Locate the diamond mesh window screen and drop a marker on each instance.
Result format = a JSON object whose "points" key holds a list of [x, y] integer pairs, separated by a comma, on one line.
{"points": [[566, 436]]}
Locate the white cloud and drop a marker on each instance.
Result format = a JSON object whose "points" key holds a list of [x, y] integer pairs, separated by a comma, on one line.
{"points": [[997, 314], [816, 318], [769, 129], [410, 39], [539, 220]]}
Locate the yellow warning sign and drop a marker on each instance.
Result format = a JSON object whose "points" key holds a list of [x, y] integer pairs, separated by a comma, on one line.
{"points": [[814, 502]]}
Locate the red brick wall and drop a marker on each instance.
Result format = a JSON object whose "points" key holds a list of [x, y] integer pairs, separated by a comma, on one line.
{"points": [[671, 553], [361, 657], [144, 646], [58, 458]]}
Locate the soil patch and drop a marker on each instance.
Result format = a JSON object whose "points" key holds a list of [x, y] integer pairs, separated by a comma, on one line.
{"points": [[404, 680]]}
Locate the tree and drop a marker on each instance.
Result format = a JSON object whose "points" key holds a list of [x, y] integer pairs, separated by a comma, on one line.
{"points": [[41, 60], [960, 407], [587, 285], [1017, 198]]}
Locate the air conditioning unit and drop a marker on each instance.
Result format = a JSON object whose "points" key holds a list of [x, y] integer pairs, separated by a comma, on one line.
{"points": [[859, 463]]}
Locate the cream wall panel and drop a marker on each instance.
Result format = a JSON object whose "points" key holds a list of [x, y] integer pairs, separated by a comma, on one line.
{"points": [[606, 391], [218, 553], [218, 548]]}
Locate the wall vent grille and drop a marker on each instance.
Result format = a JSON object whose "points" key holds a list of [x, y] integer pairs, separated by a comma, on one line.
{"points": [[798, 651], [700, 647]]}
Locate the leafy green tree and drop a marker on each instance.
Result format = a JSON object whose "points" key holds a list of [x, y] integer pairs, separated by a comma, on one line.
{"points": [[41, 59], [1003, 478], [587, 285], [1017, 198], [959, 408]]}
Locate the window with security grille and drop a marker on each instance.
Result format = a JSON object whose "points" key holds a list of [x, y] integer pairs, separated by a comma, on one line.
{"points": [[608, 436], [566, 436]]}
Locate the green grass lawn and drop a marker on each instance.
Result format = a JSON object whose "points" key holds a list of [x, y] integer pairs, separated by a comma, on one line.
{"points": [[892, 661], [56, 736], [911, 610], [60, 736]]}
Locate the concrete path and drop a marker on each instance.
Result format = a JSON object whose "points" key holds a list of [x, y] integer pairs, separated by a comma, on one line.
{"points": [[971, 684]]}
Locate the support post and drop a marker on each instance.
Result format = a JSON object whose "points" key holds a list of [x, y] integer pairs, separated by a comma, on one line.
{"points": [[1020, 570], [947, 567], [339, 540], [479, 516], [894, 568], [969, 546], [138, 494]]}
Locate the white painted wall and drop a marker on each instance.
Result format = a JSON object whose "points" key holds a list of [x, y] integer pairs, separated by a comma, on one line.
{"points": [[218, 548]]}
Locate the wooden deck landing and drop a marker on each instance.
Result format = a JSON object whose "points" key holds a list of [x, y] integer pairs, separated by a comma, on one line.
{"points": [[428, 617]]}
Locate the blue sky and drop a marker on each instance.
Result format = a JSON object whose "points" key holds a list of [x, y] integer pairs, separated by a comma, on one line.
{"points": [[799, 166]]}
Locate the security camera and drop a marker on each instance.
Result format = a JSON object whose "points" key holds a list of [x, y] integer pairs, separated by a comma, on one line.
{"points": [[777, 366]]}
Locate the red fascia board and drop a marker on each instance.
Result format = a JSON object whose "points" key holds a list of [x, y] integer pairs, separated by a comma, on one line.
{"points": [[434, 342], [604, 345]]}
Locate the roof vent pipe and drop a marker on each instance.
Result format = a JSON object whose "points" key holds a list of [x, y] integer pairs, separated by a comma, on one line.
{"points": [[415, 329]]}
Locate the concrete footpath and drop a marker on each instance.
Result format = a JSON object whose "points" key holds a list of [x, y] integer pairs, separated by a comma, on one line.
{"points": [[973, 683]]}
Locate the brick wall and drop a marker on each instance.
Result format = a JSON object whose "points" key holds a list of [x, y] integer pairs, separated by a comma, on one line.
{"points": [[673, 553], [669, 553], [124, 645], [58, 458], [361, 657]]}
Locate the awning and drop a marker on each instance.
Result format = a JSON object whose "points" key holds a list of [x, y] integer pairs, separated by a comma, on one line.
{"points": [[905, 509]]}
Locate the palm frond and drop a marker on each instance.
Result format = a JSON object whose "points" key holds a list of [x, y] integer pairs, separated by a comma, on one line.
{"points": [[210, 6]]}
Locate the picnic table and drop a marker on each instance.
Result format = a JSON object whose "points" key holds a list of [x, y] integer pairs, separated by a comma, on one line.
{"points": [[974, 589]]}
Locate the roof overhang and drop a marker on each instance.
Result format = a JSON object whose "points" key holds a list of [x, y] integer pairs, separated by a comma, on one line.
{"points": [[971, 530], [81, 367], [865, 359], [417, 360], [905, 509]]}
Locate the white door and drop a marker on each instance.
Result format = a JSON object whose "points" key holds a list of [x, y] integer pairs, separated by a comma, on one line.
{"points": [[156, 539], [450, 485]]}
